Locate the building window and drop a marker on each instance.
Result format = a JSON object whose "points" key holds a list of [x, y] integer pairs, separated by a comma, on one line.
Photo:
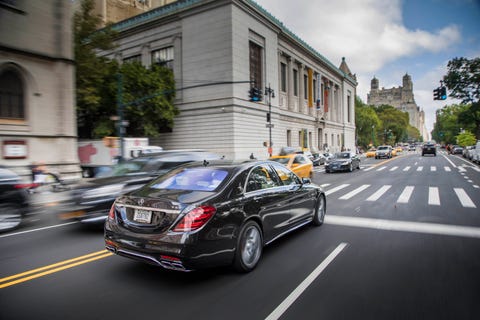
{"points": [[283, 77], [349, 107], [11, 96], [135, 58], [255, 65], [314, 90], [163, 57], [320, 143], [289, 138], [305, 86], [295, 82]]}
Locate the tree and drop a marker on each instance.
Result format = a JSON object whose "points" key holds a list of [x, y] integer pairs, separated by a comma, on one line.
{"points": [[366, 122], [447, 125], [394, 124], [463, 79], [91, 70], [148, 98], [466, 138]]}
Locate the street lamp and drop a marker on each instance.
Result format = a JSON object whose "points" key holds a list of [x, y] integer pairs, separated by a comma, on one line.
{"points": [[271, 94]]}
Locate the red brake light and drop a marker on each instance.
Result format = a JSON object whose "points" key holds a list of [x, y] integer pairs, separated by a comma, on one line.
{"points": [[26, 185], [195, 219], [111, 213]]}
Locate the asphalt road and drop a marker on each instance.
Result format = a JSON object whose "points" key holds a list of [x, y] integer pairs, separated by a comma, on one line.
{"points": [[401, 241]]}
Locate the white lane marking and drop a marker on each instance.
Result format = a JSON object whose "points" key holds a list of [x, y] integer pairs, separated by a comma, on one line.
{"points": [[405, 196], [324, 185], [453, 164], [461, 169], [464, 198], [381, 168], [394, 168], [420, 168], [38, 229], [433, 196], [336, 189], [354, 192], [378, 193], [476, 169], [447, 169], [406, 226], [369, 168], [433, 168], [407, 168], [282, 307]]}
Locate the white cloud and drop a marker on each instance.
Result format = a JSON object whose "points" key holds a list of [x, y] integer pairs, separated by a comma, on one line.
{"points": [[369, 33]]}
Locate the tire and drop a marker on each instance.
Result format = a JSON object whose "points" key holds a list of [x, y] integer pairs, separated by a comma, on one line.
{"points": [[320, 210], [350, 168], [327, 171], [11, 216], [249, 247]]}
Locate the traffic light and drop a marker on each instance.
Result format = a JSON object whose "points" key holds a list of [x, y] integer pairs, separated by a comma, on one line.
{"points": [[436, 94], [443, 93], [255, 94], [268, 117]]}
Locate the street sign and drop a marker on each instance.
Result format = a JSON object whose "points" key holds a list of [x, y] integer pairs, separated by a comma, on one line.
{"points": [[269, 125]]}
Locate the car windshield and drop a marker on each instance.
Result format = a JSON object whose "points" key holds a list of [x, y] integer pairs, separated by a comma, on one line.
{"points": [[283, 161], [195, 179], [383, 148], [128, 167], [342, 155]]}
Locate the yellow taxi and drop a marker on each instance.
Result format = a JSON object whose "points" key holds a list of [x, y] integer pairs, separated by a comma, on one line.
{"points": [[394, 152], [370, 153], [298, 163]]}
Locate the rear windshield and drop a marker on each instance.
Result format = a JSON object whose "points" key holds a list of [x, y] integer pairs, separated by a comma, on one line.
{"points": [[382, 148], [195, 179]]}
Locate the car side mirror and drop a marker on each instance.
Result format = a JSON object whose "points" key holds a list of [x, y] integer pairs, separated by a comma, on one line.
{"points": [[306, 180]]}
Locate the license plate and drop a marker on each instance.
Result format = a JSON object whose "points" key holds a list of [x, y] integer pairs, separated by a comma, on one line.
{"points": [[143, 216]]}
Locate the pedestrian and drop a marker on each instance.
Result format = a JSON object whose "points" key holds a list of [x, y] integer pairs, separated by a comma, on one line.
{"points": [[252, 156]]}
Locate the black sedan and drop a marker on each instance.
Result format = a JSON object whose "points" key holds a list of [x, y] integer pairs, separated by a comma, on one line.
{"points": [[14, 200], [212, 214], [343, 161]]}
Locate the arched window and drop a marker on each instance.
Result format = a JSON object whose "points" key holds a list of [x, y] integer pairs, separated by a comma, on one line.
{"points": [[11, 95]]}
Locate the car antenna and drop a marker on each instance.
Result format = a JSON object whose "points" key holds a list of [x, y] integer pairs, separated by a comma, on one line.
{"points": [[205, 163]]}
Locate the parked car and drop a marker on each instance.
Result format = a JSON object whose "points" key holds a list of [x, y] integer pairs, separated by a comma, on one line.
{"points": [[343, 161], [476, 153], [90, 201], [298, 163], [14, 200], [456, 149], [383, 152], [429, 148], [412, 147], [216, 214], [316, 158], [468, 152]]}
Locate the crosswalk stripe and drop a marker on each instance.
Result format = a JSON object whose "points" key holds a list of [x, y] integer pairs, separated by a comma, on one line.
{"points": [[394, 168], [405, 196], [368, 169], [378, 193], [354, 192], [381, 168], [420, 168], [433, 168], [464, 198], [447, 169], [433, 196], [324, 185], [336, 189], [461, 169], [406, 168]]}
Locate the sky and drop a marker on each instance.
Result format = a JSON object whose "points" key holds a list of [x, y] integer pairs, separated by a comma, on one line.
{"points": [[387, 39]]}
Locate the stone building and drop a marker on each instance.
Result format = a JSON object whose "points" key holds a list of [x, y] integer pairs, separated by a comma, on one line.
{"points": [[37, 113], [218, 50], [401, 98]]}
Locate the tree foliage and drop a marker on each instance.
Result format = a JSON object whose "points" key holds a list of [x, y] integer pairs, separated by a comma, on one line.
{"points": [[147, 93], [466, 138], [463, 79], [447, 125], [367, 123], [394, 124]]}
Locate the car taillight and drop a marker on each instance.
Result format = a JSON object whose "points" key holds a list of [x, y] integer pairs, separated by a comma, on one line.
{"points": [[26, 185], [195, 219], [111, 213]]}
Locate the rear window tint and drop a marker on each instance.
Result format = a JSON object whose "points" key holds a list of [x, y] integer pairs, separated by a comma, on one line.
{"points": [[195, 179]]}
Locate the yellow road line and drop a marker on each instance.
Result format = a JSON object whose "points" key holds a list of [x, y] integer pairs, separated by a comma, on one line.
{"points": [[59, 266]]}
